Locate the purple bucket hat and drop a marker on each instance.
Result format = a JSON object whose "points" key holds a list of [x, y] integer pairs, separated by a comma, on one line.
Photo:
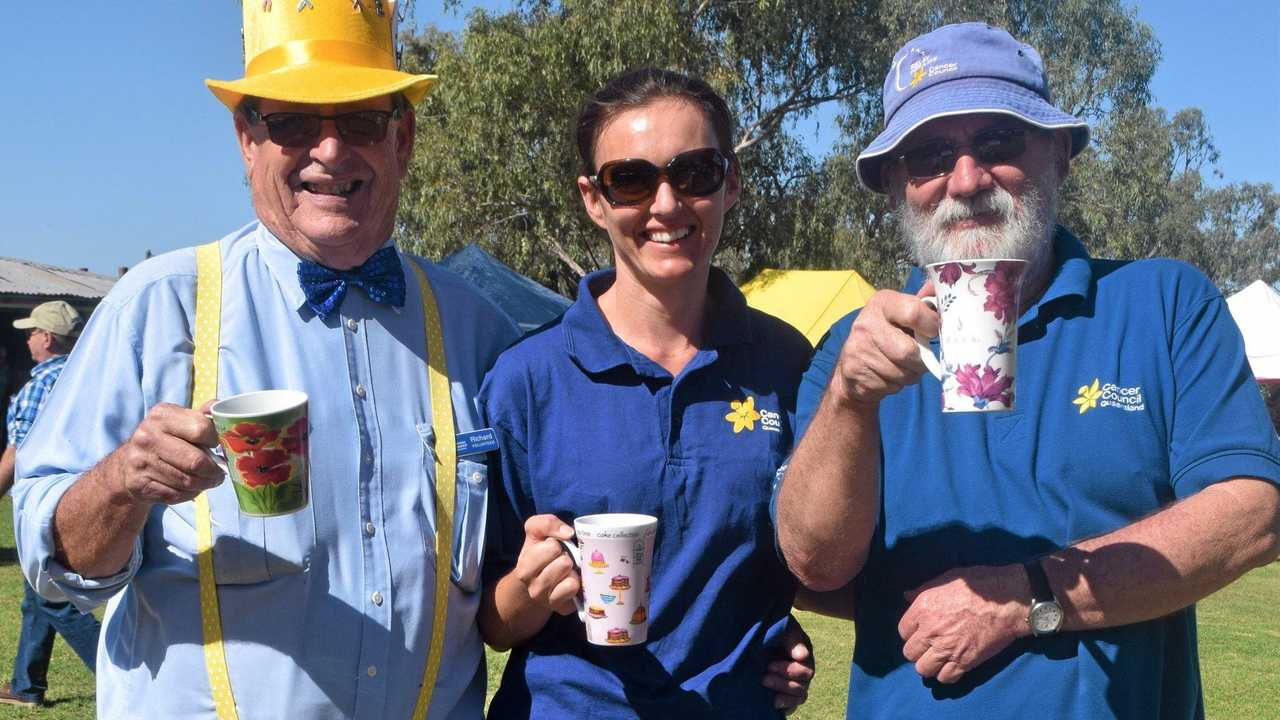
{"points": [[960, 70]]}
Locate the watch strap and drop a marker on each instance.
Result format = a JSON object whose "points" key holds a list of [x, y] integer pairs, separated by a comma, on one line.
{"points": [[1039, 581]]}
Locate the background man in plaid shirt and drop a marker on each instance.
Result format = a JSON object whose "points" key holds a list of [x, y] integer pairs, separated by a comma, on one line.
{"points": [[51, 331]]}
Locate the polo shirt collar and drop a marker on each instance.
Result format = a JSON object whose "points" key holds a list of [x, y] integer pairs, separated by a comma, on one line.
{"points": [[283, 265], [730, 319], [1072, 274], [595, 347]]}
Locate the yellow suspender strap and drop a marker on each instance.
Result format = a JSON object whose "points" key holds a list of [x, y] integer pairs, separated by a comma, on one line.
{"points": [[446, 456], [204, 387]]}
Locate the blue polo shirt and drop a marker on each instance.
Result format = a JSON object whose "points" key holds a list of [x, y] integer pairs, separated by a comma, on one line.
{"points": [[1132, 391], [589, 425]]}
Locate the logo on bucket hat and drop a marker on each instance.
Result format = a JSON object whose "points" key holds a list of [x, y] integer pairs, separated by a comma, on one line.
{"points": [[958, 69], [923, 66], [320, 52]]}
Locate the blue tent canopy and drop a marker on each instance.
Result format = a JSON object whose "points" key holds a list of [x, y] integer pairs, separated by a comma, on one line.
{"points": [[529, 304]]}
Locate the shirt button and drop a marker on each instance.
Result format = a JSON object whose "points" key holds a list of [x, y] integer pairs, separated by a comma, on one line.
{"points": [[369, 529], [377, 599], [359, 391], [372, 671], [352, 325]]}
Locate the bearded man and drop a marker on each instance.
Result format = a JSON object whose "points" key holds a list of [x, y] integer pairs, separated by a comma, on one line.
{"points": [[1041, 562]]}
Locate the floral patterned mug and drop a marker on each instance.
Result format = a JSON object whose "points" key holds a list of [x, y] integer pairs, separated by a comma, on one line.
{"points": [[614, 557], [978, 302], [263, 437]]}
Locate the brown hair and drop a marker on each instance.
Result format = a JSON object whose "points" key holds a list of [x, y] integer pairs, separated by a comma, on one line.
{"points": [[639, 87]]}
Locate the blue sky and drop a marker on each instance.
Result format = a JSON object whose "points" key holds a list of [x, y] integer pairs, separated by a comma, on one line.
{"points": [[114, 146]]}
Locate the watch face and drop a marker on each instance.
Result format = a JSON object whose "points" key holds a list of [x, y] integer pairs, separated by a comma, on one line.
{"points": [[1046, 618]]}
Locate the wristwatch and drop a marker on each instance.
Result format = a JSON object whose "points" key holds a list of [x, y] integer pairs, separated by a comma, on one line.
{"points": [[1045, 617]]}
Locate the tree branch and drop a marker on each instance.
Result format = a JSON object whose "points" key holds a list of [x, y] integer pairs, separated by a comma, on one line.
{"points": [[564, 257]]}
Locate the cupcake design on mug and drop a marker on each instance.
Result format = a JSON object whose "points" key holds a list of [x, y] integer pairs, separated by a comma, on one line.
{"points": [[620, 582], [639, 616], [597, 561], [618, 636], [595, 611]]}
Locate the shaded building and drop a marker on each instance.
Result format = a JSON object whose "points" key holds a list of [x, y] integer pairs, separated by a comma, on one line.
{"points": [[23, 285]]}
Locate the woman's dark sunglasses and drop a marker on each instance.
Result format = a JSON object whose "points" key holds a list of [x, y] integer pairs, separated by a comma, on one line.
{"points": [[938, 157], [295, 129], [630, 181]]}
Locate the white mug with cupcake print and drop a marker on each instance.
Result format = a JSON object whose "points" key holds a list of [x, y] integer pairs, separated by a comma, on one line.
{"points": [[614, 556]]}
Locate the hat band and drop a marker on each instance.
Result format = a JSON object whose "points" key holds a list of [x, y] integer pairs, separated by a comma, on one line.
{"points": [[303, 52]]}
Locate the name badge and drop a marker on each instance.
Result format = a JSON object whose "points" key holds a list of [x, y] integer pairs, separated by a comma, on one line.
{"points": [[477, 442]]}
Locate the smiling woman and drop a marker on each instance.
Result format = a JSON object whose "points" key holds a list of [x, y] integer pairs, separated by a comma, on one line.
{"points": [[650, 397]]}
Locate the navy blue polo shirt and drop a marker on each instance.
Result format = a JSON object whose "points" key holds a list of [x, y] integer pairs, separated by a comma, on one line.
{"points": [[589, 425], [1132, 391]]}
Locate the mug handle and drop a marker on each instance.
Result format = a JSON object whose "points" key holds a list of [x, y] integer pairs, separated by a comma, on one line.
{"points": [[926, 354], [576, 556], [216, 454]]}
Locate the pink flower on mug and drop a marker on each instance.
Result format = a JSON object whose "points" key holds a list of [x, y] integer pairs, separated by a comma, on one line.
{"points": [[295, 437], [268, 466], [1002, 291], [951, 273], [248, 436], [985, 386]]}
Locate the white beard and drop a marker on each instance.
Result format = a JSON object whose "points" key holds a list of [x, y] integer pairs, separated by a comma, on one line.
{"points": [[1024, 232]]}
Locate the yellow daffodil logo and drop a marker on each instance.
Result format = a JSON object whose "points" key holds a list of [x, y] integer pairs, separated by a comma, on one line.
{"points": [[744, 415], [917, 76], [1088, 396]]}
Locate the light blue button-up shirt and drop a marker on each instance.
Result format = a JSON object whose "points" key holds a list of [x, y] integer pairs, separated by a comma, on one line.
{"points": [[326, 613]]}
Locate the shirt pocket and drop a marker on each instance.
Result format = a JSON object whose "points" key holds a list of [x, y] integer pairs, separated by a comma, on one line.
{"points": [[470, 507], [250, 550]]}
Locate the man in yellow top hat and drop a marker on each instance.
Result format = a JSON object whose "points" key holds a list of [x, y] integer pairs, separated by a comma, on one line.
{"points": [[331, 611]]}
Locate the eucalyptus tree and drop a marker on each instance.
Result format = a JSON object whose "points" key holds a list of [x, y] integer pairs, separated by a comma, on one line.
{"points": [[496, 162]]}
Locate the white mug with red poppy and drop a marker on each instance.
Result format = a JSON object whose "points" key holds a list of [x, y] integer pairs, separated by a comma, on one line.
{"points": [[614, 556], [263, 436], [978, 303]]}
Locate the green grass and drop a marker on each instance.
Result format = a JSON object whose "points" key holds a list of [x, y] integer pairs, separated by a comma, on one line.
{"points": [[1239, 631], [1239, 650], [70, 692]]}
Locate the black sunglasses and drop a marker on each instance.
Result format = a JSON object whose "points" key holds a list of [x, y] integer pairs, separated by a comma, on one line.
{"points": [[935, 158], [631, 181], [295, 129]]}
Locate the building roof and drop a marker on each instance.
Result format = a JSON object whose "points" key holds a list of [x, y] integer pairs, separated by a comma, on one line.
{"points": [[26, 277]]}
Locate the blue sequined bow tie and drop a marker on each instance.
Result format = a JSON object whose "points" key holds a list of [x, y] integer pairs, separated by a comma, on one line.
{"points": [[380, 277]]}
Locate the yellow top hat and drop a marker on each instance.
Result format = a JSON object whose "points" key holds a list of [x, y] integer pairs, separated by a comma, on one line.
{"points": [[320, 52]]}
